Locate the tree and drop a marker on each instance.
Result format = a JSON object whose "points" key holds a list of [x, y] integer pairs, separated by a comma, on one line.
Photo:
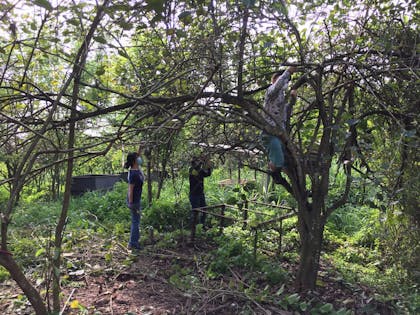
{"points": [[154, 68]]}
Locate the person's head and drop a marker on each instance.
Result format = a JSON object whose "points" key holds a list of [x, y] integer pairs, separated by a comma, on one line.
{"points": [[274, 77], [196, 162], [133, 160]]}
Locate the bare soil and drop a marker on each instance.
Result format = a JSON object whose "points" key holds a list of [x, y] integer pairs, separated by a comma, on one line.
{"points": [[110, 280]]}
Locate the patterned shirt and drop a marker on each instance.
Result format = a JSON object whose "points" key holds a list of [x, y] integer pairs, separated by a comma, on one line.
{"points": [[275, 101]]}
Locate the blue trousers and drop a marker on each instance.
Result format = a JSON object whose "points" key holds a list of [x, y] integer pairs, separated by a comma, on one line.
{"points": [[275, 149], [135, 226]]}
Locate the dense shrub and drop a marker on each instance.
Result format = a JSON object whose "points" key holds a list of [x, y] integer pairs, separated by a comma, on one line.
{"points": [[104, 207], [167, 215]]}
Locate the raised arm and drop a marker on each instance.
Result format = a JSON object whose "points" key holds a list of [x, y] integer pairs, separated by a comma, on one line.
{"points": [[282, 80]]}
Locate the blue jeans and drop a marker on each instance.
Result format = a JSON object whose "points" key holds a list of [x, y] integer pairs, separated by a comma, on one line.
{"points": [[275, 148], [198, 201], [135, 226]]}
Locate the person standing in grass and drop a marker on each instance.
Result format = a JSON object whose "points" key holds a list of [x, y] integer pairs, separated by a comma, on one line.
{"points": [[135, 186], [200, 168]]}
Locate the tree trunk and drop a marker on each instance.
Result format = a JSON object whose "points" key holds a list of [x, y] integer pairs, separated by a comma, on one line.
{"points": [[78, 67], [311, 229], [7, 261], [160, 177], [149, 180]]}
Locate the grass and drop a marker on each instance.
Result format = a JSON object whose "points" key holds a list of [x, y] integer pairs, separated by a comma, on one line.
{"points": [[354, 237]]}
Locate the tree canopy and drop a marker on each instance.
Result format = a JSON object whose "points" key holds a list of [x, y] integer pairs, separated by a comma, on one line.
{"points": [[81, 78]]}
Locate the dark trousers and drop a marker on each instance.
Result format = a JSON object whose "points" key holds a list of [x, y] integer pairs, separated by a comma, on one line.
{"points": [[198, 201]]}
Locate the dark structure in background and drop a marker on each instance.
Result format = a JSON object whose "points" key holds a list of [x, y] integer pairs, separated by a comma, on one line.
{"points": [[85, 183]]}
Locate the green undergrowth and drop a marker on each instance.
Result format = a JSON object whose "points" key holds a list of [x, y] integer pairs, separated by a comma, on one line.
{"points": [[245, 279], [356, 242]]}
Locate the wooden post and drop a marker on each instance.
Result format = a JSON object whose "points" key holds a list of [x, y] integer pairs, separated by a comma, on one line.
{"points": [[149, 177], [245, 214], [239, 172], [267, 187], [193, 224], [280, 237], [255, 245], [222, 218]]}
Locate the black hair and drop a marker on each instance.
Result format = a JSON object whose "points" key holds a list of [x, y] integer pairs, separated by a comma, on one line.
{"points": [[131, 159], [196, 162], [275, 76]]}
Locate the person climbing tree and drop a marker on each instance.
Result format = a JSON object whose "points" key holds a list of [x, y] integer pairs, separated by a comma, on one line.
{"points": [[200, 168], [277, 113]]}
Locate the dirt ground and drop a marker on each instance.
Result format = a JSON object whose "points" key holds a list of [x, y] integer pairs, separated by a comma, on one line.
{"points": [[121, 284]]}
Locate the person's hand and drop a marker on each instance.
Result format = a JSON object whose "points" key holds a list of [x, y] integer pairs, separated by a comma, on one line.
{"points": [[206, 161], [292, 69], [293, 93]]}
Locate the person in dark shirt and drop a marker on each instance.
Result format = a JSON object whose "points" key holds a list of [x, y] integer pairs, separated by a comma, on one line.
{"points": [[135, 186], [200, 168]]}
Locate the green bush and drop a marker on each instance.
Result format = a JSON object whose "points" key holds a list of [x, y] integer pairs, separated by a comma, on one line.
{"points": [[104, 207], [273, 273], [4, 274], [231, 252], [167, 215], [25, 251], [350, 219]]}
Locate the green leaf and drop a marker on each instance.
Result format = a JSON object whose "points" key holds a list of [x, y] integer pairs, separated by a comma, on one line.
{"points": [[100, 39], [201, 11], [170, 31], [122, 53], [342, 311], [185, 17], [108, 257], [125, 25], [303, 306], [73, 21], [184, 14], [181, 33], [44, 4], [119, 7], [282, 8], [280, 291], [327, 308], [156, 5], [100, 71], [39, 252], [292, 299]]}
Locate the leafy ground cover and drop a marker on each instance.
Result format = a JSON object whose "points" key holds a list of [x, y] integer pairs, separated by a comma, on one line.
{"points": [[173, 276], [217, 274]]}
